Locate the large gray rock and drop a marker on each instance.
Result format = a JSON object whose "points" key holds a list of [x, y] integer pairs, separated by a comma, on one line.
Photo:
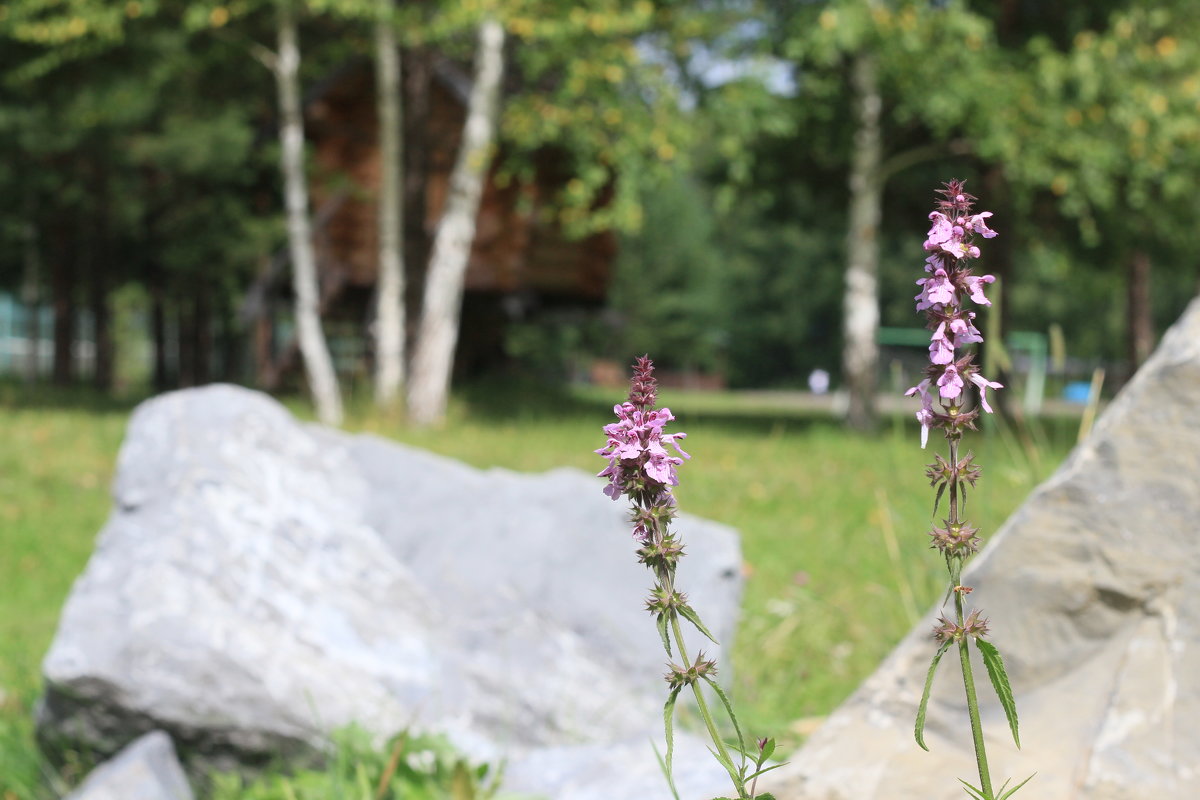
{"points": [[261, 583], [146, 769], [1091, 587]]}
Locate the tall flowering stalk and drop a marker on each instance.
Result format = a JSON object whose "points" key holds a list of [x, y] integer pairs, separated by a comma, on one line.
{"points": [[950, 376], [642, 469]]}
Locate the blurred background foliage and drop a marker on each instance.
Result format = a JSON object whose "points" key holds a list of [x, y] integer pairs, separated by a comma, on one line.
{"points": [[716, 136], [716, 139]]}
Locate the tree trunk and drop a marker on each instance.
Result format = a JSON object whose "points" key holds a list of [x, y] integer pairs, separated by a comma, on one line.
{"points": [[1141, 318], [429, 383], [31, 297], [389, 311], [158, 328], [185, 319], [860, 353], [62, 282], [102, 362], [318, 364], [202, 340], [418, 77]]}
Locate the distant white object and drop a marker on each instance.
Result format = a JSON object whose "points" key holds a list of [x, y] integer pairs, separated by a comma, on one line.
{"points": [[818, 381]]}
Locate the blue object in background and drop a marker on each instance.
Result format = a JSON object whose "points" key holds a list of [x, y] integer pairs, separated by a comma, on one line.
{"points": [[1077, 392]]}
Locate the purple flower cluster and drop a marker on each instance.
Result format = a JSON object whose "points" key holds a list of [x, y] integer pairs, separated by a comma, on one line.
{"points": [[639, 465], [950, 244], [641, 468], [635, 451]]}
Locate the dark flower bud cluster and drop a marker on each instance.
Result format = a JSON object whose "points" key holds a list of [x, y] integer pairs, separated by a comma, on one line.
{"points": [[677, 677], [959, 473], [662, 601], [949, 630], [956, 539]]}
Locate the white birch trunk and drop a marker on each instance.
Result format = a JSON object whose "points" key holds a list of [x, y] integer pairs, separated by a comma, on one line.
{"points": [[318, 365], [389, 311], [429, 383], [860, 354]]}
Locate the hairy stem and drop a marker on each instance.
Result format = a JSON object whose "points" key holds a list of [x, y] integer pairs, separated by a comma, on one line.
{"points": [[738, 783], [964, 655], [666, 579]]}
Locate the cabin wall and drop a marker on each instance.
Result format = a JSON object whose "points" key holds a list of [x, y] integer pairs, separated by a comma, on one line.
{"points": [[513, 250]]}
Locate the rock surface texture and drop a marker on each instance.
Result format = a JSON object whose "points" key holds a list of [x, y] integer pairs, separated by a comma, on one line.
{"points": [[146, 769], [1091, 587], [261, 583]]}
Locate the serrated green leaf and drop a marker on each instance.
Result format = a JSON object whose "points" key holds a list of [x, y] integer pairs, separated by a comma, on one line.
{"points": [[976, 793], [995, 670], [723, 761], [729, 710], [937, 500], [689, 613], [919, 729], [668, 722], [662, 631], [1013, 790], [665, 770], [767, 769]]}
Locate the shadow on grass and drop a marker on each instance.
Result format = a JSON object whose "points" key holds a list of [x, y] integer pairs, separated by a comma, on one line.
{"points": [[15, 394], [508, 400]]}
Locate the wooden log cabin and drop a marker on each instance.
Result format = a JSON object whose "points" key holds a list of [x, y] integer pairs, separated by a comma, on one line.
{"points": [[519, 263]]}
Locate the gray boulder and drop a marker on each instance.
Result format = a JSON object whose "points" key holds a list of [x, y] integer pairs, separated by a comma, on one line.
{"points": [[1090, 586], [261, 583], [146, 769]]}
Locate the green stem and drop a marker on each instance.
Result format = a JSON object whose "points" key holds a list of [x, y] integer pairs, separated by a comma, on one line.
{"points": [[738, 783], [964, 655], [964, 652]]}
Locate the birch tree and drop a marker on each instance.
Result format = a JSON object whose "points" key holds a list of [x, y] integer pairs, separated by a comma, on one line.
{"points": [[884, 50], [389, 310], [429, 383], [860, 306], [318, 365]]}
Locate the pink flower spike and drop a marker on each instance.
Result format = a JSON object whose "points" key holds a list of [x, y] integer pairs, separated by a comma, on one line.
{"points": [[950, 384], [921, 388], [925, 417], [965, 331], [984, 384], [941, 349], [941, 232], [939, 289], [978, 224], [975, 287]]}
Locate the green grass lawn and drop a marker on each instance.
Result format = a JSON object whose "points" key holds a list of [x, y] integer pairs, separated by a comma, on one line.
{"points": [[836, 558]]}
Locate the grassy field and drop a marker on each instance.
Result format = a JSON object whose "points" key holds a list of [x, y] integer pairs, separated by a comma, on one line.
{"points": [[836, 558]]}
